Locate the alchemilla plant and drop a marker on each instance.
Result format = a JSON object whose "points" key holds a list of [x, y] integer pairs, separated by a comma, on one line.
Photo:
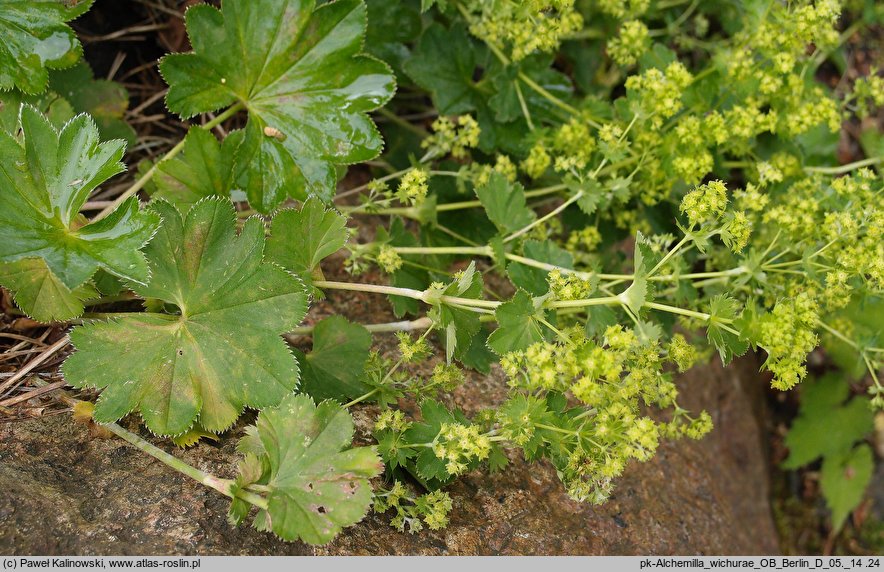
{"points": [[589, 195]]}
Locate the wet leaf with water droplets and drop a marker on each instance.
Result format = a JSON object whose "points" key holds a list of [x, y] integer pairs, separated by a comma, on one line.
{"points": [[44, 242], [306, 84], [34, 36]]}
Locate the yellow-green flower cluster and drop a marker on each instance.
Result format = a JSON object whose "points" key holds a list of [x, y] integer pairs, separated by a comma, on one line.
{"points": [[413, 187], [525, 27], [681, 353], [693, 168], [624, 369], [393, 420], [612, 143], [787, 335], [413, 512], [692, 159], [809, 111], [706, 203], [630, 44], [659, 92], [573, 145], [814, 22], [537, 161], [837, 291], [682, 425], [752, 198], [742, 122], [502, 164], [569, 286], [767, 68], [736, 230], [458, 445], [869, 93], [388, 259], [434, 508], [588, 471], [412, 350], [446, 377], [456, 138], [624, 8], [612, 381], [582, 241], [843, 214]]}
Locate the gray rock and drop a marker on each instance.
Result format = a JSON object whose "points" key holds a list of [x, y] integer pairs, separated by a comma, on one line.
{"points": [[65, 492]]}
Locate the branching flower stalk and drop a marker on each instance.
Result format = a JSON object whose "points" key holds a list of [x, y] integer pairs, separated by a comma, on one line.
{"points": [[655, 229]]}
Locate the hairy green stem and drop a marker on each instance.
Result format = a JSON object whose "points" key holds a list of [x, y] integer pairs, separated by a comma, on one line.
{"points": [[361, 398], [488, 252], [223, 486], [403, 326], [576, 197], [414, 212], [842, 169]]}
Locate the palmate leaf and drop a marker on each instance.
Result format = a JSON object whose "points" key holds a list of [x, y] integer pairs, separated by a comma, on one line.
{"points": [[219, 352], [640, 291], [44, 180], [333, 370], [38, 292], [56, 108], [723, 308], [826, 425], [504, 203], [299, 72], [300, 239], [104, 100], [519, 325], [203, 169], [34, 36], [459, 326], [317, 485], [844, 478]]}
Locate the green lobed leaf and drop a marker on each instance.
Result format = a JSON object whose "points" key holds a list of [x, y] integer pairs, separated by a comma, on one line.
{"points": [[844, 477], [434, 414], [510, 91], [825, 424], [317, 485], [300, 239], [504, 203], [334, 369], [299, 70], [219, 352], [640, 291], [203, 169], [56, 108], [723, 308], [459, 326], [518, 325], [443, 63], [44, 180], [104, 100], [40, 294], [34, 36]]}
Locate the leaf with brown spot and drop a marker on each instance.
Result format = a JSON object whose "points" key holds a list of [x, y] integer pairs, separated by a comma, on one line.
{"points": [[317, 485], [217, 346]]}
